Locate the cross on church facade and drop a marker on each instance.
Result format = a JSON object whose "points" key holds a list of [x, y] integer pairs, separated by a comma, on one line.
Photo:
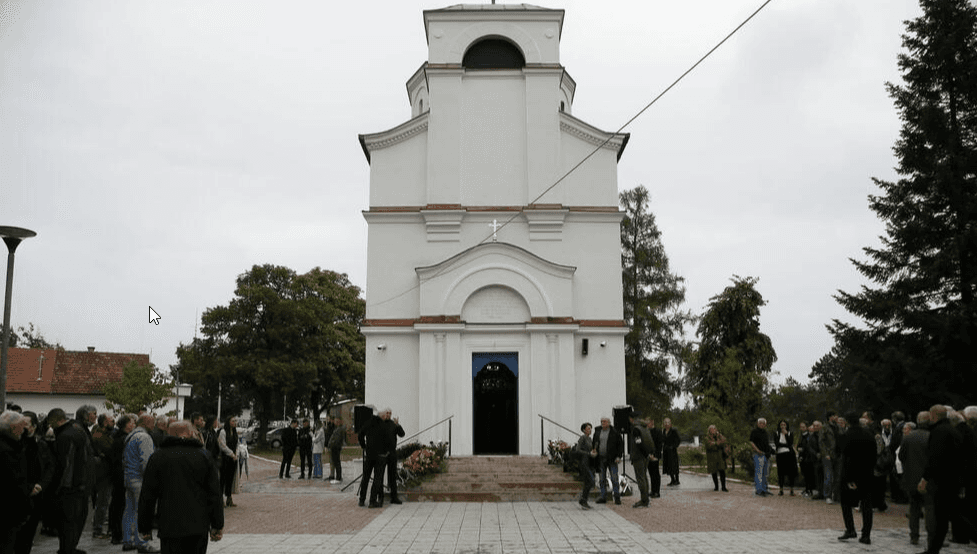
{"points": [[495, 229]]}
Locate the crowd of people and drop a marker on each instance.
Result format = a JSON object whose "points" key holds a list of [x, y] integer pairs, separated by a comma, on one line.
{"points": [[140, 472], [930, 464]]}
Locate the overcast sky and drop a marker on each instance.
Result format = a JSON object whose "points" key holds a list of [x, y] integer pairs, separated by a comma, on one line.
{"points": [[160, 149]]}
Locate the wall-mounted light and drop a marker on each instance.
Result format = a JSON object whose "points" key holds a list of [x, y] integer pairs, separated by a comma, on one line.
{"points": [[603, 343], [381, 346]]}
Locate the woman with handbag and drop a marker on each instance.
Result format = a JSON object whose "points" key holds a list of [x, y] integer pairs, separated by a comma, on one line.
{"points": [[716, 453]]}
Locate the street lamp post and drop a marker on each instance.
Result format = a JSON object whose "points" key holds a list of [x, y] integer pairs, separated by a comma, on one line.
{"points": [[12, 236]]}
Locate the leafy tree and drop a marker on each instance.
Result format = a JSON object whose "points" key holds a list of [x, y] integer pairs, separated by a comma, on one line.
{"points": [[283, 335], [142, 387], [653, 297], [919, 342], [728, 372], [28, 338]]}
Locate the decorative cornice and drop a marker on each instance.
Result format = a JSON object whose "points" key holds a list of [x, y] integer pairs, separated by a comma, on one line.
{"points": [[588, 133], [400, 133], [479, 209]]}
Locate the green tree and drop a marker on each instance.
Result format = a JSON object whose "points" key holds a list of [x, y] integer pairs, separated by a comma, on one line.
{"points": [[28, 337], [918, 344], [282, 336], [142, 387], [653, 297], [728, 372]]}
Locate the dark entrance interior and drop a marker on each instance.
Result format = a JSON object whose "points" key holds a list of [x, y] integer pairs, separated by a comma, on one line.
{"points": [[495, 403]]}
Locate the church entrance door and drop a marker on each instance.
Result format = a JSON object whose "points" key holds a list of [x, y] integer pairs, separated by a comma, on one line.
{"points": [[495, 403]]}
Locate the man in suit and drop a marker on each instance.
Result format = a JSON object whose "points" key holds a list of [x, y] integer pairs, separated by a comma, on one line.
{"points": [[913, 455], [942, 475], [393, 430], [290, 441], [374, 438], [858, 454], [642, 448], [607, 441], [654, 470]]}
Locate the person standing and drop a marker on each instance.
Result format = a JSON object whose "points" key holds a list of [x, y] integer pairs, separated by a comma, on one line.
{"points": [[783, 442], [804, 455], [642, 448], [227, 441], [858, 454], [654, 471], [182, 483], [716, 457], [72, 481], [585, 463], [318, 444], [760, 443], [913, 455], [942, 474], [830, 462], [609, 447], [38, 468], [290, 441], [304, 441], [123, 426], [373, 438], [14, 486], [135, 455], [393, 430], [336, 442], [884, 462], [102, 441], [672, 441]]}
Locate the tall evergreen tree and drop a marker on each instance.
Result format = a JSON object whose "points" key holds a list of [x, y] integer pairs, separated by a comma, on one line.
{"points": [[919, 341], [728, 373], [653, 297]]}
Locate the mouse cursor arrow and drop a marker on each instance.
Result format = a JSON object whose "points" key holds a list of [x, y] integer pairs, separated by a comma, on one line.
{"points": [[153, 316]]}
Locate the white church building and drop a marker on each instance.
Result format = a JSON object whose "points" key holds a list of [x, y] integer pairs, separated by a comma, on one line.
{"points": [[494, 296]]}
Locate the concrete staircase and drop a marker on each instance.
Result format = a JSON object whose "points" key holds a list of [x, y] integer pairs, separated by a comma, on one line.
{"points": [[497, 479]]}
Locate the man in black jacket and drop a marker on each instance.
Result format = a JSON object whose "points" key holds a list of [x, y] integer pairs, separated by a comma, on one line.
{"points": [[290, 440], [654, 471], [858, 454], [942, 475], [14, 488], [182, 480], [304, 441], [374, 438], [394, 430], [72, 482], [642, 448], [610, 448]]}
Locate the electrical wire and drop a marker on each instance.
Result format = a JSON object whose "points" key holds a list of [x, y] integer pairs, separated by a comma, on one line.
{"points": [[598, 147]]}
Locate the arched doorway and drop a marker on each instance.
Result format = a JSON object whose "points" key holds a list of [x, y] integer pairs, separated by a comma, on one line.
{"points": [[495, 402]]}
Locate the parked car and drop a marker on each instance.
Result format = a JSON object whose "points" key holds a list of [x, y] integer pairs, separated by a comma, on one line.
{"points": [[274, 437]]}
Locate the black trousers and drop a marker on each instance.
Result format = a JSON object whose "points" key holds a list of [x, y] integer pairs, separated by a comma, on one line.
{"points": [[866, 506], [305, 459], [286, 468], [25, 535], [945, 505], [194, 544], [656, 477], [116, 507], [373, 466], [73, 513], [227, 470], [336, 462]]}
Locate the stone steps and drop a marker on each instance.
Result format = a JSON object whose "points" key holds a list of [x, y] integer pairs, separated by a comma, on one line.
{"points": [[497, 479]]}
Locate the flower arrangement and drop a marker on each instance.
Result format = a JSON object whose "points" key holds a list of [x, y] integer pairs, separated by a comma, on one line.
{"points": [[561, 453], [426, 460]]}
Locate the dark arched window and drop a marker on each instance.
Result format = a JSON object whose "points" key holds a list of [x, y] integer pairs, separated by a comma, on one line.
{"points": [[493, 53]]}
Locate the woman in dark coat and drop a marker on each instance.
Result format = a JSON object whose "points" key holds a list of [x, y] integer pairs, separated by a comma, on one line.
{"points": [[715, 458], [227, 441], [670, 455], [783, 444]]}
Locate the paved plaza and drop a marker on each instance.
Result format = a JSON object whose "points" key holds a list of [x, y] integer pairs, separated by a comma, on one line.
{"points": [[302, 516]]}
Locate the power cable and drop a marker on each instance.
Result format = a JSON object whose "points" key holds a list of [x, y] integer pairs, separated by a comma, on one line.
{"points": [[601, 145]]}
